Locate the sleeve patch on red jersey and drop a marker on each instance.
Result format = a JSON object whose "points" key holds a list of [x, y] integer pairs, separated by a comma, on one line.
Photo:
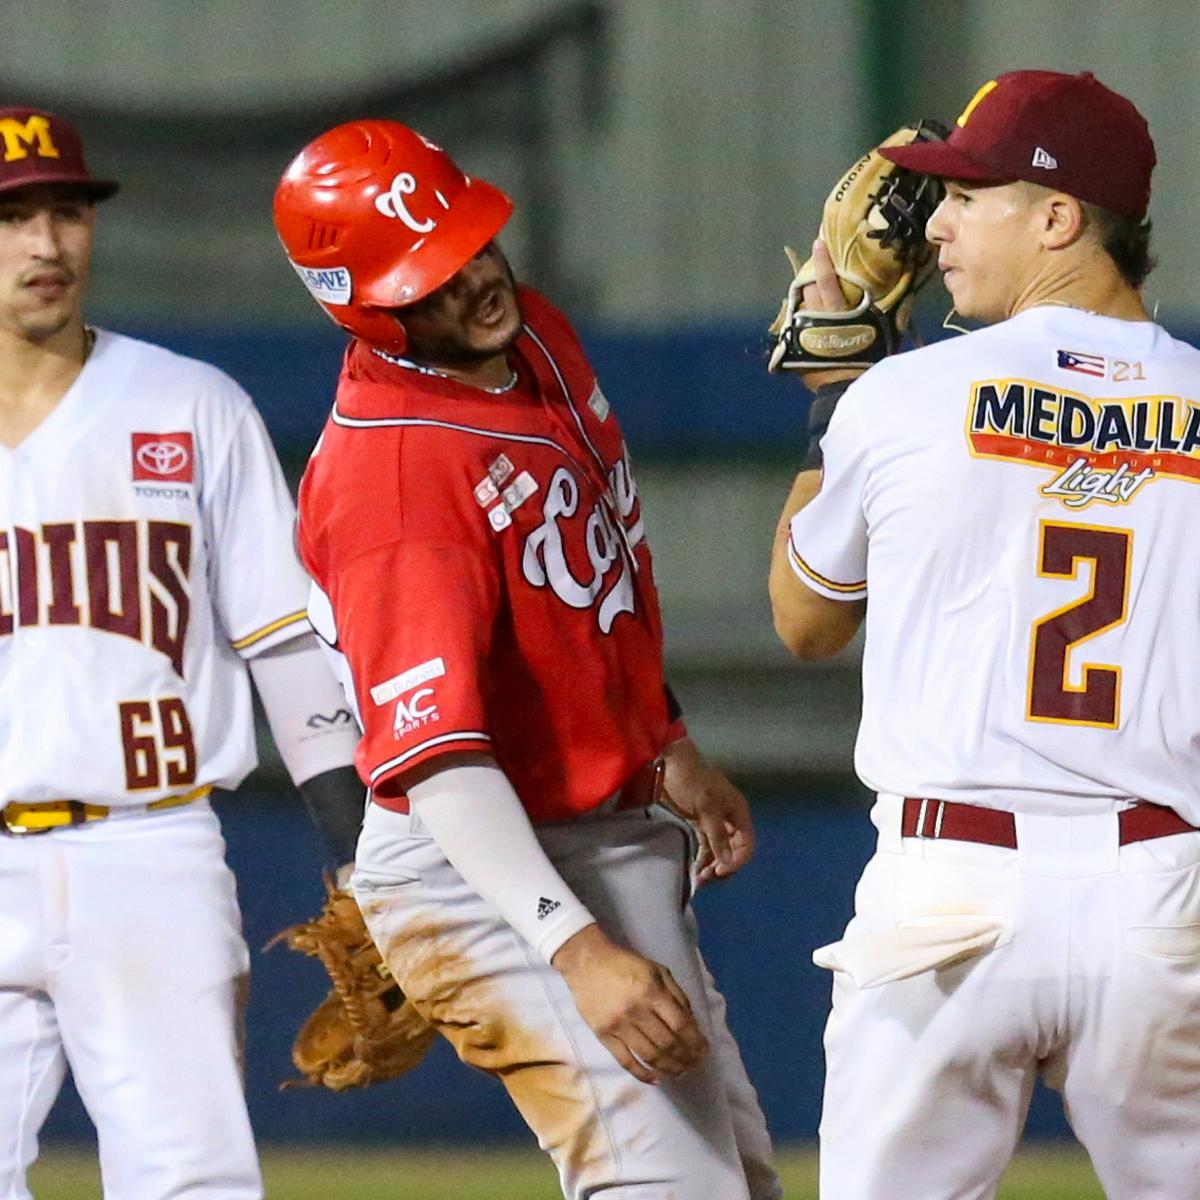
{"points": [[381, 693], [598, 403], [414, 712]]}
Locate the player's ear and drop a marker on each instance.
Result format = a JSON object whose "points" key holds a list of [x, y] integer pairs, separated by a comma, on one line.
{"points": [[1063, 220]]}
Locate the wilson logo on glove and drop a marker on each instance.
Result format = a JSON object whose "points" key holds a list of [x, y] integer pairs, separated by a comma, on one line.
{"points": [[837, 343]]}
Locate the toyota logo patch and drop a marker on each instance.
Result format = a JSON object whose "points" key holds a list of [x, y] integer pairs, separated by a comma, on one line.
{"points": [[162, 457]]}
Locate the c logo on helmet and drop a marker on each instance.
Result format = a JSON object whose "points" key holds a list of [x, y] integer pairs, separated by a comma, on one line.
{"points": [[392, 203]]}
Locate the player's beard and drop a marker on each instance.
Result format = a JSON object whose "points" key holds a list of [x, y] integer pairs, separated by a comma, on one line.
{"points": [[456, 347]]}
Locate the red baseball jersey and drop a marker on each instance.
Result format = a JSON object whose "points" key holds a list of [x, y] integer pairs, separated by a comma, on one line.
{"points": [[481, 567]]}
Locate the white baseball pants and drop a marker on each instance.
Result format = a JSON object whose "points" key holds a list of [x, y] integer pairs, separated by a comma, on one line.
{"points": [[1093, 982], [505, 1010], [121, 955]]}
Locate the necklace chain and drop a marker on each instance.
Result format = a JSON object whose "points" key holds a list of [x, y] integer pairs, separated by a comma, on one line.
{"points": [[405, 362], [1077, 307]]}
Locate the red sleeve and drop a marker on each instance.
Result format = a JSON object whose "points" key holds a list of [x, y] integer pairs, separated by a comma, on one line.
{"points": [[415, 622]]}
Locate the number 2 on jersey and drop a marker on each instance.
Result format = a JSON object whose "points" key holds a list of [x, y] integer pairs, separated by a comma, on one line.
{"points": [[1052, 697]]}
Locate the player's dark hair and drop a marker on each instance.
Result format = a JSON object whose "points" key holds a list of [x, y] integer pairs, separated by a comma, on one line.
{"points": [[1125, 240]]}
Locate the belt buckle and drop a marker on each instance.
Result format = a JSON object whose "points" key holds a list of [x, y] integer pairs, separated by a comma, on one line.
{"points": [[658, 781], [939, 812], [8, 828]]}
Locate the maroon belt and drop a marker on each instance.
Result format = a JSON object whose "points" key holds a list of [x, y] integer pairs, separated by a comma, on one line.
{"points": [[991, 827], [645, 788]]}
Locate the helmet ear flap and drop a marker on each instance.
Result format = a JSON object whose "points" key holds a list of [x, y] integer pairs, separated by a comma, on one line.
{"points": [[378, 327]]}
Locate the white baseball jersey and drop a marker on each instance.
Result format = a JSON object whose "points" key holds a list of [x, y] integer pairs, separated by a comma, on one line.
{"points": [[1020, 505], [145, 551]]}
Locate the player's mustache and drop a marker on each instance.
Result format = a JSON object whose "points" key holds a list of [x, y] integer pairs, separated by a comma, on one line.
{"points": [[488, 292], [58, 271]]}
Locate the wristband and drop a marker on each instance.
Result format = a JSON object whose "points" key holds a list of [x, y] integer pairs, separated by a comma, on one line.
{"points": [[820, 413]]}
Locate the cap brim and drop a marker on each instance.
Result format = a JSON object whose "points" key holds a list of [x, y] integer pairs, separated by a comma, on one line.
{"points": [[101, 189], [94, 189], [941, 159]]}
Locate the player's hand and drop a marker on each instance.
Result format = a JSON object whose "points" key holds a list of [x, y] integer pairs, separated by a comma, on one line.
{"points": [[633, 1005], [825, 295], [714, 808]]}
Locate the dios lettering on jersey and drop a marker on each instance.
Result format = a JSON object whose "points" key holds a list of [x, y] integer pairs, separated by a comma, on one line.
{"points": [[604, 534], [129, 578], [1102, 450]]}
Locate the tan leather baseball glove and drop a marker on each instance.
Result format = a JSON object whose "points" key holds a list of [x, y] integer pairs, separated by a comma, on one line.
{"points": [[874, 226], [366, 1030]]}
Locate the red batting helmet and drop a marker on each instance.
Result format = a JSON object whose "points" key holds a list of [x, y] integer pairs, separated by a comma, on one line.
{"points": [[373, 217]]}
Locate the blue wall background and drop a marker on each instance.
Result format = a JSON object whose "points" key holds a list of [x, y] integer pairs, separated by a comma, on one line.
{"points": [[697, 391], [701, 390], [758, 931]]}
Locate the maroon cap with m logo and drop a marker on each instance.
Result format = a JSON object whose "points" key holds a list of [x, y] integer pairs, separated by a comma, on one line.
{"points": [[38, 148], [1068, 132]]}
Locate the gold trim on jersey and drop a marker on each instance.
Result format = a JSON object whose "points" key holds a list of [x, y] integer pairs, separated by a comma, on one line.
{"points": [[267, 630], [18, 817], [800, 565]]}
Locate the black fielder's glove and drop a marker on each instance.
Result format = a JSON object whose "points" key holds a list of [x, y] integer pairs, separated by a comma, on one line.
{"points": [[874, 226]]}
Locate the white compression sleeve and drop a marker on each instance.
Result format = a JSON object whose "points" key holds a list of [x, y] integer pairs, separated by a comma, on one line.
{"points": [[306, 708], [480, 826]]}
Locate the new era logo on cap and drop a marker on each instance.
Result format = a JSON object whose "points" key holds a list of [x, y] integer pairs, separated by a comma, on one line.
{"points": [[1045, 160]]}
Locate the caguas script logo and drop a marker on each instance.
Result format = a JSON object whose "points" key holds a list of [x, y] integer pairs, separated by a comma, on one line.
{"points": [[393, 203], [608, 544]]}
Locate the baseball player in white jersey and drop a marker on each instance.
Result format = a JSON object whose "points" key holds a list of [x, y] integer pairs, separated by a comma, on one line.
{"points": [[1017, 504], [145, 559]]}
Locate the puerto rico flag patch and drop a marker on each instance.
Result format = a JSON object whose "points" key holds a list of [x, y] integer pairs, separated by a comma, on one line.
{"points": [[163, 457], [1085, 364]]}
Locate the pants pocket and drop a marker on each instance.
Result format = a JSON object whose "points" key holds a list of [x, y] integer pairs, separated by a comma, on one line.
{"points": [[1180, 942], [912, 947]]}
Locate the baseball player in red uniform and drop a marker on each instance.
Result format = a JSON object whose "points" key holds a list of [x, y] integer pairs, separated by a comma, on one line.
{"points": [[473, 525], [146, 568], [1018, 504]]}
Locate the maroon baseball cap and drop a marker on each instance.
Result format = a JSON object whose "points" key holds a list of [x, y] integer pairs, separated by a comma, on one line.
{"points": [[1068, 132], [37, 147]]}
